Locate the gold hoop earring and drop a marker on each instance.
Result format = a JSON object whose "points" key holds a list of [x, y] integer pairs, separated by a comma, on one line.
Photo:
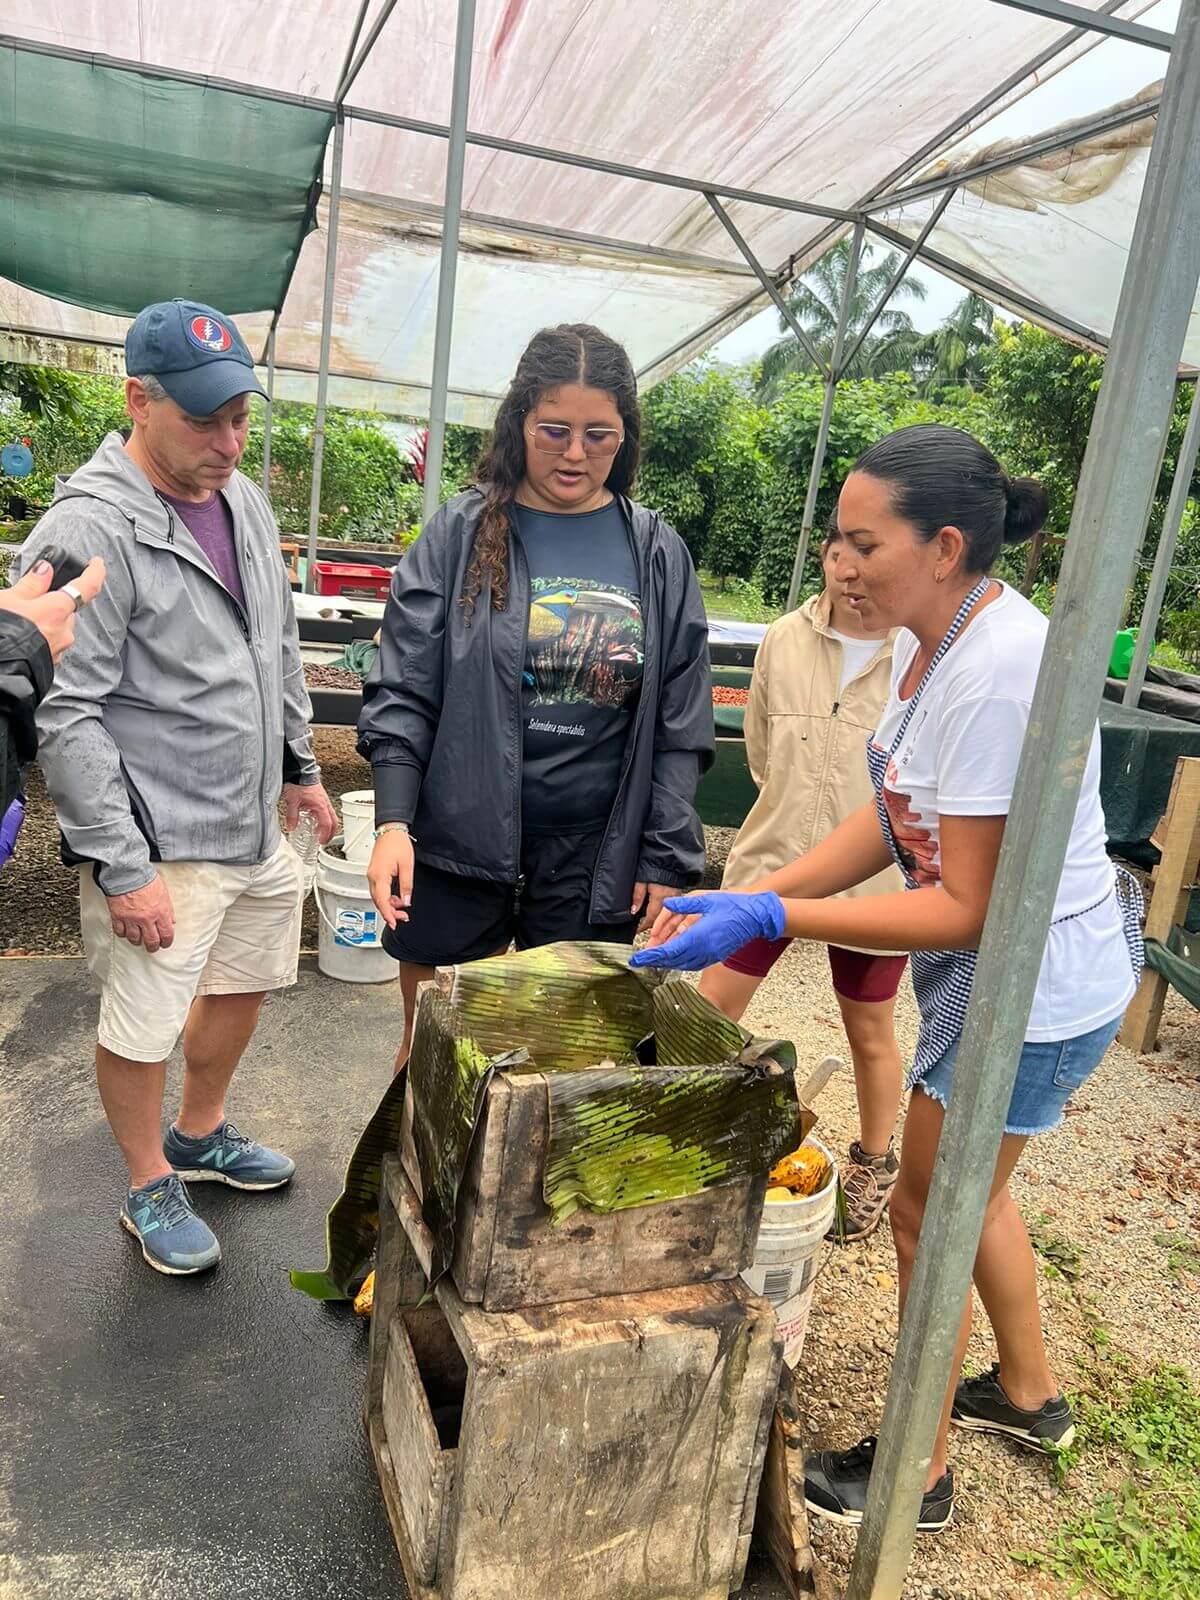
{"points": [[938, 576]]}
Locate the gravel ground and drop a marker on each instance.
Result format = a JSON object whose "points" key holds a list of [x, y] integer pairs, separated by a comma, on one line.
{"points": [[1123, 1170]]}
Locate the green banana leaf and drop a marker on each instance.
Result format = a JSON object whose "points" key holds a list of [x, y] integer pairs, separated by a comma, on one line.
{"points": [[637, 1135], [569, 1005], [653, 1094], [352, 1224]]}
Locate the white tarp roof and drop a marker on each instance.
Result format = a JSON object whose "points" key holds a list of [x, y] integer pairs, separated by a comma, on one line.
{"points": [[821, 103]]}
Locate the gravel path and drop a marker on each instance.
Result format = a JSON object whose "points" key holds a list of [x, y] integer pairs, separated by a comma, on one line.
{"points": [[1120, 1175]]}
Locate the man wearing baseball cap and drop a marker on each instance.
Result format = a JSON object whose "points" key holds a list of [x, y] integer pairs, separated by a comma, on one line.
{"points": [[172, 731]]}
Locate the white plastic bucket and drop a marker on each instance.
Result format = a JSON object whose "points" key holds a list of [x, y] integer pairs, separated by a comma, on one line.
{"points": [[348, 946], [787, 1254], [358, 824]]}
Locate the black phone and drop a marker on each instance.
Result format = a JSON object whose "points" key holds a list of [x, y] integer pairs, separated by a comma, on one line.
{"points": [[66, 567]]}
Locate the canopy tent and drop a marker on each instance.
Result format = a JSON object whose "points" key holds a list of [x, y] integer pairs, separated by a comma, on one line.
{"points": [[798, 122], [594, 132]]}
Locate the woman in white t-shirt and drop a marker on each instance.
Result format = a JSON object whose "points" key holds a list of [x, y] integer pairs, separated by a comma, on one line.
{"points": [[922, 520]]}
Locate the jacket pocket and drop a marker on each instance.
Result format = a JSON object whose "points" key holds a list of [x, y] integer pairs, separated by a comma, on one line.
{"points": [[141, 814]]}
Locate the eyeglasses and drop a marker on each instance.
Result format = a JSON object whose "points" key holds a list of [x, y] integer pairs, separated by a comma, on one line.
{"points": [[554, 439]]}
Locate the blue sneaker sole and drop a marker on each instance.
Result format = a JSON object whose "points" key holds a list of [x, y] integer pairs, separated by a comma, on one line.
{"points": [[161, 1266], [208, 1175]]}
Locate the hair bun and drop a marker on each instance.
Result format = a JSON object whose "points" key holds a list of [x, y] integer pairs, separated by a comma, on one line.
{"points": [[1026, 510]]}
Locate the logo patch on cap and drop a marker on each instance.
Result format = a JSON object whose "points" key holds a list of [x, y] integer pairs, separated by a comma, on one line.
{"points": [[207, 334]]}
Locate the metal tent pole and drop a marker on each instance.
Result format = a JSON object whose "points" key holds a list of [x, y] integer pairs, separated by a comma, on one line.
{"points": [[914, 249], [1132, 413], [335, 197], [269, 408], [1181, 488], [1091, 22], [831, 383], [769, 284], [351, 70], [448, 265]]}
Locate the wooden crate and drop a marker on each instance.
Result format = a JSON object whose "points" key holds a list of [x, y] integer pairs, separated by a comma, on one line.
{"points": [[610, 1448], [508, 1254]]}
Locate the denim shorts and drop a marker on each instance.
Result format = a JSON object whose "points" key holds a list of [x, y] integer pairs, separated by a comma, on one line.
{"points": [[1047, 1077]]}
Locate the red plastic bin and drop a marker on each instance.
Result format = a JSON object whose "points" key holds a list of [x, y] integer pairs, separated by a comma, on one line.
{"points": [[351, 580]]}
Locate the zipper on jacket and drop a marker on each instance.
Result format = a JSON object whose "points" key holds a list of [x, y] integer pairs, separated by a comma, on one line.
{"points": [[639, 714], [518, 548], [243, 620]]}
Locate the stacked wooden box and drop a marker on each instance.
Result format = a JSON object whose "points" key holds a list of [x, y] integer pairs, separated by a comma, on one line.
{"points": [[575, 1411]]}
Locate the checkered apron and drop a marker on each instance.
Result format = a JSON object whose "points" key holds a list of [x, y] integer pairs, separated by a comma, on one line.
{"points": [[942, 979]]}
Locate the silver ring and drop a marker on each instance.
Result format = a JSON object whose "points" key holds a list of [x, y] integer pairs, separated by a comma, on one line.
{"points": [[69, 588]]}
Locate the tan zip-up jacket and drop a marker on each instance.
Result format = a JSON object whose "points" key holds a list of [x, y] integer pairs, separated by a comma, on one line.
{"points": [[806, 746]]}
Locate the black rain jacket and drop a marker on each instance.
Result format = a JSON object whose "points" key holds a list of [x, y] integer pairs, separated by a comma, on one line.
{"points": [[442, 714]]}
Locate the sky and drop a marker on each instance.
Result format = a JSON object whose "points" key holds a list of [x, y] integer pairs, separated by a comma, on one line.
{"points": [[1108, 73]]}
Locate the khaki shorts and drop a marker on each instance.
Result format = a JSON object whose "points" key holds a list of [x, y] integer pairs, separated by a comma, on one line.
{"points": [[237, 931]]}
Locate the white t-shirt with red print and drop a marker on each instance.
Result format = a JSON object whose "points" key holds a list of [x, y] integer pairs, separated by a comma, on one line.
{"points": [[959, 758]]}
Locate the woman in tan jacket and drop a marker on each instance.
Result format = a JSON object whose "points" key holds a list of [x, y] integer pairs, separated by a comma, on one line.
{"points": [[820, 682]]}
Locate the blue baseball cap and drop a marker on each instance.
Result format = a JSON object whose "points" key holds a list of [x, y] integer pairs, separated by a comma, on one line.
{"points": [[196, 353]]}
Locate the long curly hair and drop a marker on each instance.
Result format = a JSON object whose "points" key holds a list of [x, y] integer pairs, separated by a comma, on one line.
{"points": [[570, 353]]}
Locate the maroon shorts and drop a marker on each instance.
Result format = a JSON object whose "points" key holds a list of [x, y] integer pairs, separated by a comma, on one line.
{"points": [[857, 974]]}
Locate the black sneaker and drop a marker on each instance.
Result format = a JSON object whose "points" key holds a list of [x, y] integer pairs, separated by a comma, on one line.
{"points": [[982, 1405], [835, 1487]]}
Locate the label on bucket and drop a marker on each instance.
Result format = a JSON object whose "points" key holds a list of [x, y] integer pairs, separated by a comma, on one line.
{"points": [[356, 928]]}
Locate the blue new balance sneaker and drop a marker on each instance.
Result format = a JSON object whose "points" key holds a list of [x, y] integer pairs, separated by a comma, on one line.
{"points": [[227, 1156], [174, 1239]]}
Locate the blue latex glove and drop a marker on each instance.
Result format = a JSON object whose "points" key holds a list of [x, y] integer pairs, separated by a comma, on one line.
{"points": [[727, 922]]}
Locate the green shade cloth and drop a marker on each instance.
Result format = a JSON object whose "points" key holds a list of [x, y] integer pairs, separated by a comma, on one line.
{"points": [[121, 188], [1178, 960]]}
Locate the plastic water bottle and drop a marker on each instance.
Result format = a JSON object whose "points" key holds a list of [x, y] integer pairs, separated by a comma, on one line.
{"points": [[304, 842]]}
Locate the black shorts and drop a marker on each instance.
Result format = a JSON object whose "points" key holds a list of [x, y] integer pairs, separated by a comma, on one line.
{"points": [[454, 918]]}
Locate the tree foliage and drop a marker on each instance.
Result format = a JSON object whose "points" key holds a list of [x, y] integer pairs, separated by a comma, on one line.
{"points": [[815, 301]]}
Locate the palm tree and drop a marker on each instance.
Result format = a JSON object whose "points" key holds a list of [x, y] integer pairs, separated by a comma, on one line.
{"points": [[954, 352], [814, 302]]}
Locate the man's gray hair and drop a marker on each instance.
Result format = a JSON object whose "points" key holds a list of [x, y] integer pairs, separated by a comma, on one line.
{"points": [[154, 389]]}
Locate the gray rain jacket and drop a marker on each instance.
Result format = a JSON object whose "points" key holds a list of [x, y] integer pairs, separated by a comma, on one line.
{"points": [[441, 721], [176, 716]]}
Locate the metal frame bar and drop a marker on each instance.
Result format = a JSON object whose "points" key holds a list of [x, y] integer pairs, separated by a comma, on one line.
{"points": [[768, 283], [269, 409], [822, 440], [1086, 128], [1181, 488], [893, 284], [352, 45], [349, 74], [1092, 22], [331, 242], [568, 236], [1132, 413], [456, 156]]}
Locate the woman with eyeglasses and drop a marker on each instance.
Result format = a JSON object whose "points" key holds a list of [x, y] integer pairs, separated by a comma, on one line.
{"points": [[541, 708]]}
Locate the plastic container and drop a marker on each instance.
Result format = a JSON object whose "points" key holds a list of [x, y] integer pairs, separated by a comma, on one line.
{"points": [[1121, 659], [358, 825], [787, 1255], [348, 945], [303, 840], [352, 578]]}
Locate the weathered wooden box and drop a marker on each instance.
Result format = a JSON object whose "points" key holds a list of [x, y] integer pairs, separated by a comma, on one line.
{"points": [[508, 1253], [608, 1448]]}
